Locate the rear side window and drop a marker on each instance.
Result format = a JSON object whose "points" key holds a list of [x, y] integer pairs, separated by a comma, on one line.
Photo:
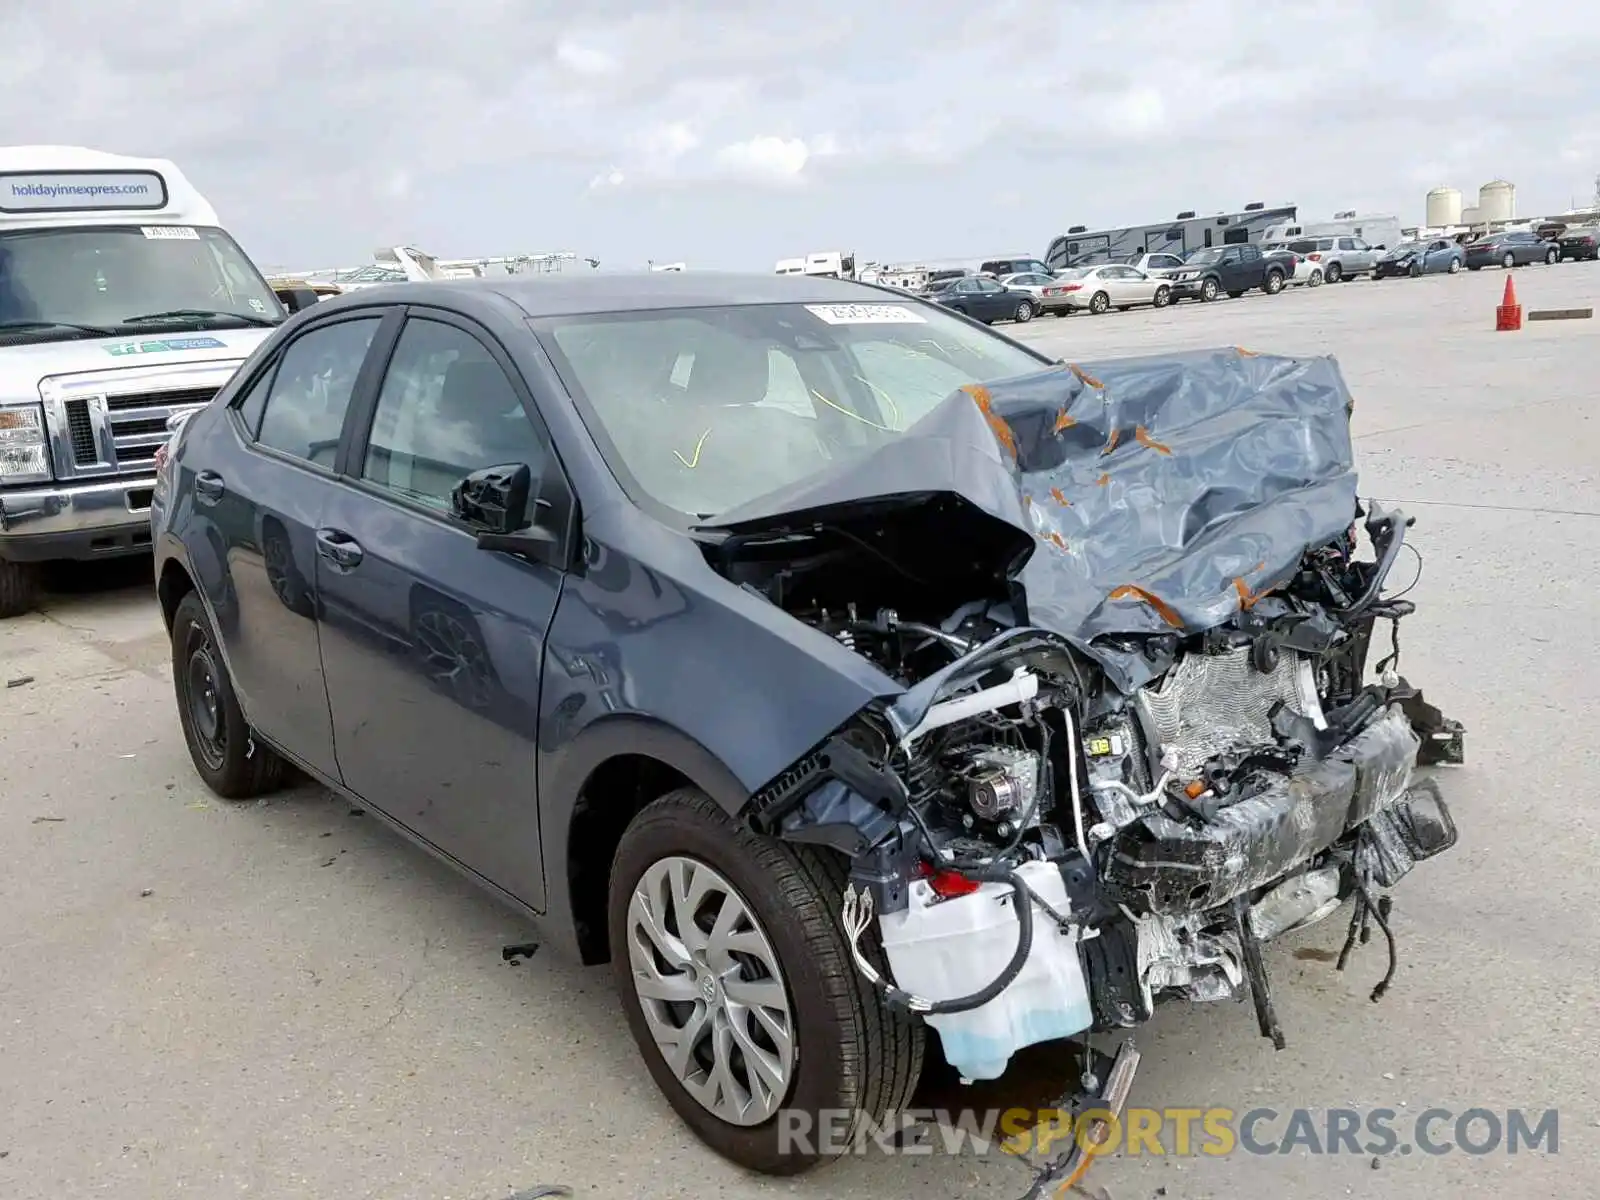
{"points": [[254, 401], [1302, 247], [311, 390]]}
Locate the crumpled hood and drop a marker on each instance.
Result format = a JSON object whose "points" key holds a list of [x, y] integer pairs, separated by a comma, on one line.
{"points": [[1130, 498], [22, 367]]}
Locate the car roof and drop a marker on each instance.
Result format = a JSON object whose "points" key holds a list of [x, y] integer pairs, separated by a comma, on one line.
{"points": [[556, 295]]}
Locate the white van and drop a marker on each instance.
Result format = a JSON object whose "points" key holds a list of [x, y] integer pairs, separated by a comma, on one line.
{"points": [[123, 303]]}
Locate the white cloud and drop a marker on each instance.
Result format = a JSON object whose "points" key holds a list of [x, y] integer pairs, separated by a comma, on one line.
{"points": [[765, 159], [585, 60]]}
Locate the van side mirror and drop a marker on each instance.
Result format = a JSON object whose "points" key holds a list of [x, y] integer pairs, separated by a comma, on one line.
{"points": [[296, 298], [498, 503]]}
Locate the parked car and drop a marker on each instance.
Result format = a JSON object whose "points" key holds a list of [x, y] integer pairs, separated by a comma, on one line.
{"points": [[1302, 272], [1580, 243], [1156, 264], [1510, 248], [1000, 267], [1048, 292], [987, 300], [1100, 289], [688, 615], [1340, 258], [1230, 270], [1438, 255]]}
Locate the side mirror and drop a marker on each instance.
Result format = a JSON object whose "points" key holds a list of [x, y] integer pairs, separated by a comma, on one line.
{"points": [[296, 298], [1381, 247], [498, 502]]}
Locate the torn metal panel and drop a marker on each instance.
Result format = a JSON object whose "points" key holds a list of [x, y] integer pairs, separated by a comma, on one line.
{"points": [[1157, 495]]}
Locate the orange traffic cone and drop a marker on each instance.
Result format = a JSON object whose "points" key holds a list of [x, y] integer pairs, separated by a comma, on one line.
{"points": [[1508, 316]]}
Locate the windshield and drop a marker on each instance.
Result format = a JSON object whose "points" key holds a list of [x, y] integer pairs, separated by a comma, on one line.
{"points": [[1201, 257], [98, 280], [703, 409], [1407, 248]]}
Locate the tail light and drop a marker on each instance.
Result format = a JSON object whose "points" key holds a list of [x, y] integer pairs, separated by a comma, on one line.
{"points": [[1073, 287], [1315, 256], [161, 458]]}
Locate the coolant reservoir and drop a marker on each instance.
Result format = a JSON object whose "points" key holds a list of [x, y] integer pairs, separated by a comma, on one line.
{"points": [[945, 949]]}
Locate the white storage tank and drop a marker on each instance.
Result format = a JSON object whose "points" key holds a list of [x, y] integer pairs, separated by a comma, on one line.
{"points": [[1444, 207], [1497, 201]]}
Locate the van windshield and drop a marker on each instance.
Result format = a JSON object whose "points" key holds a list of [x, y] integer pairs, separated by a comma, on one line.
{"points": [[100, 280]]}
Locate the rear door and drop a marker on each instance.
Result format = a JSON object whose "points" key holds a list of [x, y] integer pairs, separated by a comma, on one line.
{"points": [[433, 650], [269, 475]]}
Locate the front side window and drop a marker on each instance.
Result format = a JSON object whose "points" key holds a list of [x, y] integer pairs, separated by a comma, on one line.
{"points": [[771, 395], [311, 390], [446, 409], [102, 280]]}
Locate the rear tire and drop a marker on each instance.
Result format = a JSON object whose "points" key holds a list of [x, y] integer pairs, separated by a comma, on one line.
{"points": [[850, 1052], [1509, 261], [226, 753], [1455, 265], [1334, 273], [19, 588], [1273, 284], [1163, 297], [1024, 312], [1552, 257], [1315, 280]]}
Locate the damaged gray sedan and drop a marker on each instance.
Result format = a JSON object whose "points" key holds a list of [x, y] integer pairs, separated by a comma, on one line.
{"points": [[835, 667]]}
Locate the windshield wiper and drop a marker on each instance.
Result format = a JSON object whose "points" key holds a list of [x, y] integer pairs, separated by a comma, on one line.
{"points": [[73, 325], [198, 314]]}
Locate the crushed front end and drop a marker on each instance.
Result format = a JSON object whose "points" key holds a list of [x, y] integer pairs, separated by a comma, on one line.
{"points": [[1153, 716]]}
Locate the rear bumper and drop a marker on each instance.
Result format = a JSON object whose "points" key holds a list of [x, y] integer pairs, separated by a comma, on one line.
{"points": [[98, 520]]}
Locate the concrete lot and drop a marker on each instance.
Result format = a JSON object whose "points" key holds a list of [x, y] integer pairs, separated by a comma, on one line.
{"points": [[281, 1000]]}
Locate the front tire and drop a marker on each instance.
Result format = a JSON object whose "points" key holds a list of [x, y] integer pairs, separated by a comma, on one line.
{"points": [[225, 752], [1208, 290], [1455, 265], [1099, 303], [19, 588], [739, 989]]}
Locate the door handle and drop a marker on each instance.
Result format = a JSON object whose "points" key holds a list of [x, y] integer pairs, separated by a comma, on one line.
{"points": [[209, 485], [338, 547]]}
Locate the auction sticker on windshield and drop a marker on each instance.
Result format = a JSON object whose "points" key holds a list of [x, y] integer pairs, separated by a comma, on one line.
{"points": [[166, 346], [178, 233], [866, 314]]}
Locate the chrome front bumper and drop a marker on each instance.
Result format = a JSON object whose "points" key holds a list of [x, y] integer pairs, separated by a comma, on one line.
{"points": [[95, 520]]}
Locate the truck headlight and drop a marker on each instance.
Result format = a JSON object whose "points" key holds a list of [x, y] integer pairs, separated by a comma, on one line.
{"points": [[24, 445]]}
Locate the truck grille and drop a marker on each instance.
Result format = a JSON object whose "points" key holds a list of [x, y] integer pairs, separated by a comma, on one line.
{"points": [[136, 427]]}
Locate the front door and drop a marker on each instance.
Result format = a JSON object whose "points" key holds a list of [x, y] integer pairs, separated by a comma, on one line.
{"points": [[433, 649]]}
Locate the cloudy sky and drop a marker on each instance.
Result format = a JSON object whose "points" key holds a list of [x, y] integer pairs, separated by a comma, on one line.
{"points": [[731, 133]]}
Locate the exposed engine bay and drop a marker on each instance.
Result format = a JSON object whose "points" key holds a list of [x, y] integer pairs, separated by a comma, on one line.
{"points": [[1092, 794]]}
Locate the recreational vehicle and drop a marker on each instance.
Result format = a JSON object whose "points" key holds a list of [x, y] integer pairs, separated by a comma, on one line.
{"points": [[1082, 247]]}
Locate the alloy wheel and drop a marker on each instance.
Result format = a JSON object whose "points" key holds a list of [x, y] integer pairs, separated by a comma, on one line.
{"points": [[711, 990]]}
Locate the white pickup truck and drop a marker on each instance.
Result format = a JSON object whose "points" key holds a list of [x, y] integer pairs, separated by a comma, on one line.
{"points": [[123, 303]]}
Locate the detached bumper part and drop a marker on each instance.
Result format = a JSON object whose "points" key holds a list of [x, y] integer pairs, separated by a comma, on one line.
{"points": [[1097, 1109]]}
